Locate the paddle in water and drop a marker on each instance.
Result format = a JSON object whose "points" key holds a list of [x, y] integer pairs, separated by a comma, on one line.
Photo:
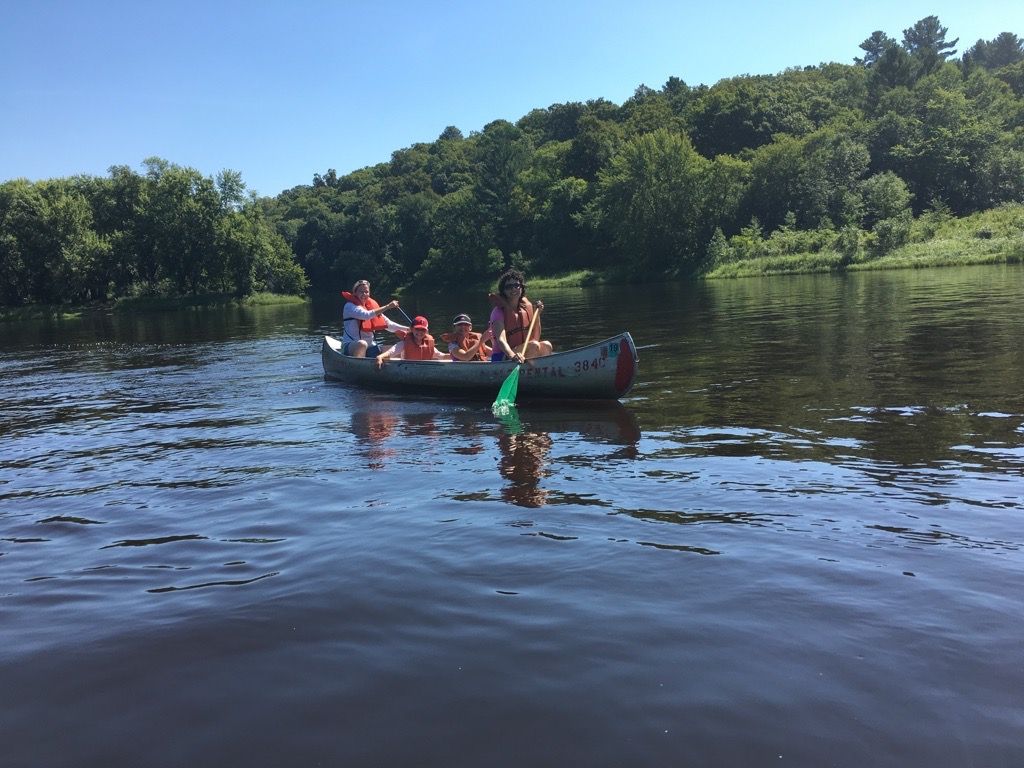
{"points": [[509, 419], [506, 398], [505, 402]]}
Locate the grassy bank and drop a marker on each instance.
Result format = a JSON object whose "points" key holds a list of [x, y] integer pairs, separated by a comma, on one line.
{"points": [[936, 253], [39, 312], [575, 279], [990, 237], [203, 300], [144, 303], [570, 280]]}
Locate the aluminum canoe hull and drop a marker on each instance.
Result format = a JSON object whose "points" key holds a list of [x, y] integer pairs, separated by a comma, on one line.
{"points": [[604, 370]]}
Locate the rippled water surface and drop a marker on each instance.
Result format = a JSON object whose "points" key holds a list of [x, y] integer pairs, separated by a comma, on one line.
{"points": [[796, 542]]}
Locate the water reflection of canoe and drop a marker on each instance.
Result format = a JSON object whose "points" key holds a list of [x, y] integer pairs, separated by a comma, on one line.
{"points": [[601, 371], [609, 422], [588, 432]]}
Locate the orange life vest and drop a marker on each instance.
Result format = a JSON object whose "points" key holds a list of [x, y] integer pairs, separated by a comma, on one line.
{"points": [[413, 351], [377, 323], [466, 342], [517, 321]]}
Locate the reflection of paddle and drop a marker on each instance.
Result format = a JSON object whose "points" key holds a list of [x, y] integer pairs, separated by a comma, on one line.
{"points": [[507, 394]]}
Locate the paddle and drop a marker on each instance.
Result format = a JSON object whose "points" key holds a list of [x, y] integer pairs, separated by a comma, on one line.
{"points": [[509, 417], [399, 334], [407, 318], [507, 394]]}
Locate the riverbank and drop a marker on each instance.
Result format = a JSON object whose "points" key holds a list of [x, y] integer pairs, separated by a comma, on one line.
{"points": [[934, 240], [145, 303]]}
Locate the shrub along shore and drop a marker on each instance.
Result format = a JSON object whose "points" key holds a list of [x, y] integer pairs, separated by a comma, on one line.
{"points": [[934, 240]]}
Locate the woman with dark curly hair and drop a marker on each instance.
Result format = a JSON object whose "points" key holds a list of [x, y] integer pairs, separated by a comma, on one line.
{"points": [[511, 318]]}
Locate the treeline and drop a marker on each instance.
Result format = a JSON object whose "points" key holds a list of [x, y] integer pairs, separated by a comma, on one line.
{"points": [[830, 156], [836, 157], [169, 231]]}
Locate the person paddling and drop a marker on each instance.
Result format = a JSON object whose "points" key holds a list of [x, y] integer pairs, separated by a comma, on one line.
{"points": [[464, 344], [417, 345], [360, 317], [510, 321]]}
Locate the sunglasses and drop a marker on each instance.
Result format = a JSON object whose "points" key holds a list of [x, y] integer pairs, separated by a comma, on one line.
{"points": [[513, 285]]}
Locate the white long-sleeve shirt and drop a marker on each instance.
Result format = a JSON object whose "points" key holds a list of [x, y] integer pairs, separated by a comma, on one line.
{"points": [[353, 314]]}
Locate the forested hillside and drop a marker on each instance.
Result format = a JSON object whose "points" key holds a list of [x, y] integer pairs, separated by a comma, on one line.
{"points": [[838, 157], [832, 156]]}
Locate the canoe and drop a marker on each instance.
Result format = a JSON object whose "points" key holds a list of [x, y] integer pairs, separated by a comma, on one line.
{"points": [[604, 370]]}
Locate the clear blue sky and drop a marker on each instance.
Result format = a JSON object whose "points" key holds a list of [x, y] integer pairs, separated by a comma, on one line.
{"points": [[280, 90]]}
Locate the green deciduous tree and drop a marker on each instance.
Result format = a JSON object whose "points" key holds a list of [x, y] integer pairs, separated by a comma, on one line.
{"points": [[555, 123], [651, 201], [414, 216], [593, 147], [748, 112], [503, 153], [449, 165], [555, 203], [49, 251], [885, 195], [256, 257], [463, 250], [231, 189], [814, 177], [181, 215], [942, 150], [649, 110]]}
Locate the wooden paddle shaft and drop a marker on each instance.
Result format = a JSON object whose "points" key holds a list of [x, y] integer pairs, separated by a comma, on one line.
{"points": [[529, 333]]}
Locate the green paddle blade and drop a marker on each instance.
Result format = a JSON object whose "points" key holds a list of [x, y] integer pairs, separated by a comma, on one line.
{"points": [[509, 418], [507, 393]]}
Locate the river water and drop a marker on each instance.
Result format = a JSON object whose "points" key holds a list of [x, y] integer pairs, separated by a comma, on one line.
{"points": [[798, 541]]}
